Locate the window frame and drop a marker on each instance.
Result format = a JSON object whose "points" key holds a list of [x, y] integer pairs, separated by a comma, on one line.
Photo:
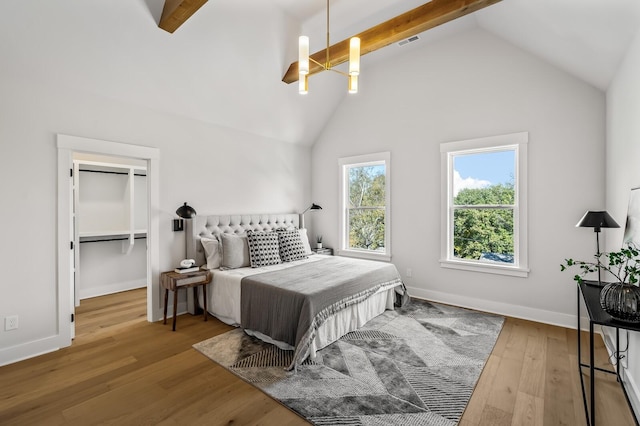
{"points": [[518, 142], [343, 166]]}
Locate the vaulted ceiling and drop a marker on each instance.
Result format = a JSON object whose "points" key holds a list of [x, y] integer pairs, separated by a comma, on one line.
{"points": [[225, 64]]}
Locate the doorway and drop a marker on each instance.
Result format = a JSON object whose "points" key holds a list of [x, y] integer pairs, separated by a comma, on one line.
{"points": [[110, 229], [67, 147]]}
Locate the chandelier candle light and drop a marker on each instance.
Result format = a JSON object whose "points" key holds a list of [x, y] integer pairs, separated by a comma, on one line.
{"points": [[303, 61]]}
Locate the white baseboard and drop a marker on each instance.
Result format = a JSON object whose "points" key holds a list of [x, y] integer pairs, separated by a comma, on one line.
{"points": [[182, 309], [86, 293], [29, 350], [633, 392], [522, 312]]}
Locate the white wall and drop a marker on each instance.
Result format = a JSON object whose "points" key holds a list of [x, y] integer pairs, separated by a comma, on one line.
{"points": [[215, 169], [106, 267], [468, 86], [623, 172]]}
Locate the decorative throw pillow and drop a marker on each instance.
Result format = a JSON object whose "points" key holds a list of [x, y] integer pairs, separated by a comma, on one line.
{"points": [[235, 251], [263, 248], [291, 247], [305, 240], [213, 251]]}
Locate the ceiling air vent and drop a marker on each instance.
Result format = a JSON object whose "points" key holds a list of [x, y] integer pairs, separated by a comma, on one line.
{"points": [[408, 40]]}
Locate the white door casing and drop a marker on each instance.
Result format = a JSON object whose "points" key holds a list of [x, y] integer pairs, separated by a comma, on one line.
{"points": [[67, 145]]}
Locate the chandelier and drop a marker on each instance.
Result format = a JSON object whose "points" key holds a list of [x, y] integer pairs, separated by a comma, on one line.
{"points": [[303, 62]]}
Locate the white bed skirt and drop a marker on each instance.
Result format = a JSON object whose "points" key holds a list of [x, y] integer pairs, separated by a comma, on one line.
{"points": [[223, 302]]}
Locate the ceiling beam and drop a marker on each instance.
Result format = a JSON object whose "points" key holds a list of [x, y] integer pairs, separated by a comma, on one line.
{"points": [[176, 12], [415, 21]]}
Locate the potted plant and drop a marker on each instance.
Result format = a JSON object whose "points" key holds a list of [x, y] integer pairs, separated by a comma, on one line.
{"points": [[621, 298], [319, 241]]}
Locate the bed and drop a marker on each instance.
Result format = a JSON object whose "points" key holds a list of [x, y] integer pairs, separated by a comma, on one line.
{"points": [[266, 280]]}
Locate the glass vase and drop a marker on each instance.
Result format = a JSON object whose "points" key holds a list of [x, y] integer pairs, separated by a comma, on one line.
{"points": [[621, 301]]}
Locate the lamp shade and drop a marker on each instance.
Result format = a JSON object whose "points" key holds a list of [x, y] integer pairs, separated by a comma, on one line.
{"points": [[597, 220], [354, 56], [313, 206], [303, 55], [186, 212]]}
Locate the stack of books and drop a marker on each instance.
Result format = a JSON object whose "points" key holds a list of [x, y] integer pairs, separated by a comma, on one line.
{"points": [[187, 270]]}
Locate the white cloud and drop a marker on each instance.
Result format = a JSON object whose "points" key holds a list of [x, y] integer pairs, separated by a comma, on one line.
{"points": [[460, 184]]}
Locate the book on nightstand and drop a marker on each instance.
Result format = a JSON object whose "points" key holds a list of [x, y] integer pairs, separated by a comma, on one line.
{"points": [[187, 270]]}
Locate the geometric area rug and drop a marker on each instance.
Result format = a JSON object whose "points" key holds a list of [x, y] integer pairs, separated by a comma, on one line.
{"points": [[416, 365]]}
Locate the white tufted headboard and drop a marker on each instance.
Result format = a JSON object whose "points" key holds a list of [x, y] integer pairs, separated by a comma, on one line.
{"points": [[208, 226]]}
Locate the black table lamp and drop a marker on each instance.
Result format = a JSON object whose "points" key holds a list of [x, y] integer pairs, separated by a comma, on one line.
{"points": [[597, 220], [313, 206]]}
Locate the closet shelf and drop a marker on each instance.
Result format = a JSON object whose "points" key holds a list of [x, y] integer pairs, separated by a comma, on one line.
{"points": [[112, 234]]}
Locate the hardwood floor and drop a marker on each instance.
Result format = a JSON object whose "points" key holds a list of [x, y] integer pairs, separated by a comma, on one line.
{"points": [[123, 370]]}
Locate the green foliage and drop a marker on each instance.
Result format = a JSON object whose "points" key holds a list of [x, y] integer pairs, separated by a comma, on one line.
{"points": [[490, 195], [477, 231], [366, 186], [622, 264], [367, 207], [366, 229]]}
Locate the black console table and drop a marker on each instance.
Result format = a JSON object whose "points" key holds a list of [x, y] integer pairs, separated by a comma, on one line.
{"points": [[591, 295]]}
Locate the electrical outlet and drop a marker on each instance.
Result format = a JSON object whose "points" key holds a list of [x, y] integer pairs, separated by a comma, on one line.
{"points": [[11, 323], [409, 272]]}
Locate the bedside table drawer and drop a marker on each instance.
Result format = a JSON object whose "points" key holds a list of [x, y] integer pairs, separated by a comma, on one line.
{"points": [[172, 280], [191, 280]]}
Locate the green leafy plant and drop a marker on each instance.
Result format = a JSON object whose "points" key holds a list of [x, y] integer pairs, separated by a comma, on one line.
{"points": [[319, 239], [622, 264]]}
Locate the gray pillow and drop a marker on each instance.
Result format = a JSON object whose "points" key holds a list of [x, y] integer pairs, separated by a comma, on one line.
{"points": [[235, 251]]}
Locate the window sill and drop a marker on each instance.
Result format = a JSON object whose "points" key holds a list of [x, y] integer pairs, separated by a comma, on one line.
{"points": [[485, 268], [365, 255]]}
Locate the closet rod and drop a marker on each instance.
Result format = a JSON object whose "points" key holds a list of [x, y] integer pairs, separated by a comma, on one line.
{"points": [[111, 173], [111, 239]]}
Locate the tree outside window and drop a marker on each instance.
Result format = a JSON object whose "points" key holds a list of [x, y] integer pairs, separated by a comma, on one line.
{"points": [[366, 207], [364, 202]]}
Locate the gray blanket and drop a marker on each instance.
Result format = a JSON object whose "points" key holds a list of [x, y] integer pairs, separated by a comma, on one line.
{"points": [[289, 305]]}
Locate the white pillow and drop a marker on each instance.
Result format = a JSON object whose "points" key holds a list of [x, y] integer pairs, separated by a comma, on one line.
{"points": [[235, 251], [305, 240], [213, 251]]}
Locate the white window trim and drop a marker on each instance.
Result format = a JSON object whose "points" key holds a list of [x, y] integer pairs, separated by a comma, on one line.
{"points": [[517, 141], [355, 161]]}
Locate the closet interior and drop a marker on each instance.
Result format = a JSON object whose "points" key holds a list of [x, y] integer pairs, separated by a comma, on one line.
{"points": [[110, 225]]}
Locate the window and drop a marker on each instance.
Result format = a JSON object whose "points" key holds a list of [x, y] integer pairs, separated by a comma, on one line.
{"points": [[364, 205], [484, 199]]}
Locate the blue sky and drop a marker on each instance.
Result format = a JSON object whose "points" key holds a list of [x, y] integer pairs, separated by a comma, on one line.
{"points": [[483, 169]]}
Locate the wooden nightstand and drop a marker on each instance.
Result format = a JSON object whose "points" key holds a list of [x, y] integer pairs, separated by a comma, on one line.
{"points": [[323, 250], [174, 281]]}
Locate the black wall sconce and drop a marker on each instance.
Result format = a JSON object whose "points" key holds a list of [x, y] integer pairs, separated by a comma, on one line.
{"points": [[312, 207], [185, 212]]}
